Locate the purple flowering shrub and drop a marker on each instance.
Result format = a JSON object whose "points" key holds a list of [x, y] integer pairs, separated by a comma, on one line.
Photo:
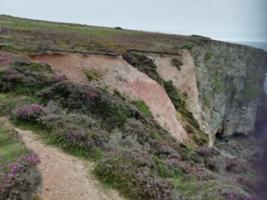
{"points": [[236, 196], [5, 58], [111, 110], [22, 179], [27, 77], [235, 166], [19, 177], [59, 77], [131, 173], [75, 130], [10, 78], [30, 113], [11, 75]]}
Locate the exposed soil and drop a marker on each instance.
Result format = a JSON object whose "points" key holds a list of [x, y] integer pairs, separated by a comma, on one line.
{"points": [[64, 176], [183, 79], [119, 75]]}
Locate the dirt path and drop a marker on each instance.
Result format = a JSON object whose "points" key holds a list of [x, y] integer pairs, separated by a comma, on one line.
{"points": [[65, 177]]}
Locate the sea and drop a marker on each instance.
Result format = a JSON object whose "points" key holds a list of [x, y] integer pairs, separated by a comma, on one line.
{"points": [[260, 45]]}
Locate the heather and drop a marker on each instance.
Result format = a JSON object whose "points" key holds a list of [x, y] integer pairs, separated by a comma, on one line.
{"points": [[131, 152], [140, 159], [19, 178]]}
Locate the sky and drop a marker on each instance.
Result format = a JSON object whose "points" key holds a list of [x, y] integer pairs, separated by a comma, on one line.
{"points": [[229, 20]]}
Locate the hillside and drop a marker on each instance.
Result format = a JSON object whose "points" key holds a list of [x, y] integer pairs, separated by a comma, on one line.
{"points": [[161, 116]]}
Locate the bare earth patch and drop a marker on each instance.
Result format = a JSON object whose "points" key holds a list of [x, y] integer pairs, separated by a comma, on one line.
{"points": [[64, 176], [119, 75], [183, 79]]}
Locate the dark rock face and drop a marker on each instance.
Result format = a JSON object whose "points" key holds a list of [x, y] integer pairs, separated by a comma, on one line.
{"points": [[230, 83], [261, 121]]}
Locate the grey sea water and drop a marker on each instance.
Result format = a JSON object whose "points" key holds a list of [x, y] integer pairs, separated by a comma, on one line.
{"points": [[260, 45]]}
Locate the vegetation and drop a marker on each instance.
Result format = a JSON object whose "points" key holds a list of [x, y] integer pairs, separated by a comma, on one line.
{"points": [[143, 64], [112, 111], [26, 78], [217, 81], [177, 63], [92, 75], [19, 178], [31, 36], [188, 46], [143, 108], [147, 66], [132, 175], [132, 152], [208, 56]]}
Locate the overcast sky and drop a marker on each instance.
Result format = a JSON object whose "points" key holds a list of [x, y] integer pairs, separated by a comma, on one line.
{"points": [[234, 20]]}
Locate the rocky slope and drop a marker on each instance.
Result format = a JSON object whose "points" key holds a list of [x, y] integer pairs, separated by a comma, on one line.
{"points": [[231, 83], [150, 103]]}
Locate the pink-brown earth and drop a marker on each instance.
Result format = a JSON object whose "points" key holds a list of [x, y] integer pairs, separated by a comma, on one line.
{"points": [[118, 75]]}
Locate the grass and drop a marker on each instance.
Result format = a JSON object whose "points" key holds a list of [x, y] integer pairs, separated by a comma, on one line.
{"points": [[53, 139], [35, 36], [92, 75], [10, 100], [218, 83], [186, 186], [19, 177], [166, 172], [143, 108], [33, 25], [188, 46], [11, 147], [208, 56]]}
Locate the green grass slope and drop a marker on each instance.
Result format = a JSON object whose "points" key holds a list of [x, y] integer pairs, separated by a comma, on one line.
{"points": [[35, 36]]}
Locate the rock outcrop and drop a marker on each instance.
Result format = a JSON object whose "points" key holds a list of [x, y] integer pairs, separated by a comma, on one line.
{"points": [[230, 81], [221, 83]]}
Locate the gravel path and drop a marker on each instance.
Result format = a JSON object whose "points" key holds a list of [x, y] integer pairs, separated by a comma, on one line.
{"points": [[65, 177]]}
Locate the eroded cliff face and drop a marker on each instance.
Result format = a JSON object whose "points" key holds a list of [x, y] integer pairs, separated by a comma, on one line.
{"points": [[221, 84], [117, 75], [180, 69], [230, 82]]}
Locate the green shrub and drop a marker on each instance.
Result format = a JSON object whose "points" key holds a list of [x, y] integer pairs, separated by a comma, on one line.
{"points": [[76, 133], [132, 176], [92, 75], [143, 108], [165, 171], [208, 56], [143, 64], [111, 110], [177, 63], [188, 46], [9, 101], [177, 100], [26, 78]]}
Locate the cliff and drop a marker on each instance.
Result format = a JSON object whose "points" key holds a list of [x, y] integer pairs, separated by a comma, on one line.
{"points": [[150, 103]]}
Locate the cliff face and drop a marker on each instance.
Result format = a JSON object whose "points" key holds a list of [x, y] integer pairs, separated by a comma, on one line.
{"points": [[141, 104], [117, 75], [230, 81], [221, 84], [214, 86]]}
